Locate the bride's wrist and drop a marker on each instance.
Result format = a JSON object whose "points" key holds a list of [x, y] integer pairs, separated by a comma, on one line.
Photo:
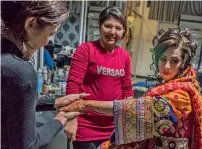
{"points": [[93, 104]]}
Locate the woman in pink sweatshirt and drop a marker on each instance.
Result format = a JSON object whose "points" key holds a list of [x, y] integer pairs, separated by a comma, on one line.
{"points": [[102, 69]]}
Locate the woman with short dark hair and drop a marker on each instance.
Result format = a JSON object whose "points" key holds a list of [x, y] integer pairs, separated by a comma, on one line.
{"points": [[102, 69], [25, 27]]}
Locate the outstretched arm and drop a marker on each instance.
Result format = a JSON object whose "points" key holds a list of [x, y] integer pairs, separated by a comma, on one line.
{"points": [[104, 107], [140, 118]]}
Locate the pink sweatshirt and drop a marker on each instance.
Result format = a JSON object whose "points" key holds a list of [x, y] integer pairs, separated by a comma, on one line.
{"points": [[105, 76]]}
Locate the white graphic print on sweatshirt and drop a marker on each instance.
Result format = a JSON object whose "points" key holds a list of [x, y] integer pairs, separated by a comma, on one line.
{"points": [[110, 71]]}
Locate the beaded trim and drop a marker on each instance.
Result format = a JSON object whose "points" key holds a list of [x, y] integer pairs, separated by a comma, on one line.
{"points": [[140, 119], [171, 143], [134, 120]]}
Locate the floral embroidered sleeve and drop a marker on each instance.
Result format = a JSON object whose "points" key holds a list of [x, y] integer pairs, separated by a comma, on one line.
{"points": [[141, 119]]}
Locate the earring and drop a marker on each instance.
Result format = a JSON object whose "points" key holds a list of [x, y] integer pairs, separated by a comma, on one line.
{"points": [[26, 54], [28, 45], [180, 73]]}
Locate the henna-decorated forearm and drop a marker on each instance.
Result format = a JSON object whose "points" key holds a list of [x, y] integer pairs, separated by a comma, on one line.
{"points": [[105, 107]]}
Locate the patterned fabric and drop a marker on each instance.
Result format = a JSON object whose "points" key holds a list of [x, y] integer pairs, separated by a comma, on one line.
{"points": [[133, 116], [171, 143], [175, 111], [141, 119], [184, 97]]}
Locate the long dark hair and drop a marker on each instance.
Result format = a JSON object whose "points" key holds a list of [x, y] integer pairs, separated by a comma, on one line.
{"points": [[15, 13], [173, 37]]}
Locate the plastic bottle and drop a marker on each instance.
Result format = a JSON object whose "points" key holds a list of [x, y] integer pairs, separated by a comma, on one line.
{"points": [[63, 88], [45, 73], [39, 81], [39, 72], [55, 76], [66, 73]]}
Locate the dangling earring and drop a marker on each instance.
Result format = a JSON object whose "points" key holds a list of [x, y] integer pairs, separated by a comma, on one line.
{"points": [[28, 45], [180, 73], [26, 54]]}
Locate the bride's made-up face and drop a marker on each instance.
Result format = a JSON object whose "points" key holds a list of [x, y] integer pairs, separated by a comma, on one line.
{"points": [[38, 37], [169, 63]]}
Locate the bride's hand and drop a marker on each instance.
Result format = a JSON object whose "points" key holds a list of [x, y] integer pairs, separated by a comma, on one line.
{"points": [[77, 106], [69, 99]]}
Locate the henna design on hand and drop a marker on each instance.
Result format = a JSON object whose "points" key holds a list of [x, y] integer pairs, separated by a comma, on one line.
{"points": [[77, 106], [82, 105]]}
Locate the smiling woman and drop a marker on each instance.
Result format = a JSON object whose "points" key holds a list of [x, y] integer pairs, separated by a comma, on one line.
{"points": [[112, 27], [102, 69]]}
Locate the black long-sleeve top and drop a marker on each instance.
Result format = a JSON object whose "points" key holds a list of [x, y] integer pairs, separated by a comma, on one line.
{"points": [[18, 101]]}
